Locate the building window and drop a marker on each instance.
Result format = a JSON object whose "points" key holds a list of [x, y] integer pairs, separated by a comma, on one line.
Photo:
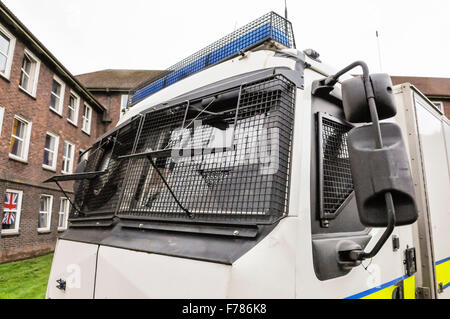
{"points": [[30, 73], [63, 214], [68, 157], [57, 96], [51, 151], [11, 211], [123, 104], [45, 213], [7, 44], [87, 117], [72, 110], [20, 139], [439, 106], [2, 114]]}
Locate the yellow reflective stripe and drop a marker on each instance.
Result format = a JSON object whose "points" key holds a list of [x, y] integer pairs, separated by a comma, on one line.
{"points": [[443, 273], [385, 293], [409, 287], [409, 290]]}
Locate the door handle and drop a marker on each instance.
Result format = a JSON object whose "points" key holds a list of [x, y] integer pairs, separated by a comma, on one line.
{"points": [[61, 284]]}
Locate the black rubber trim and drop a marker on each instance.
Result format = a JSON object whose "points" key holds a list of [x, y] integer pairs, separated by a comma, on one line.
{"points": [[204, 247]]}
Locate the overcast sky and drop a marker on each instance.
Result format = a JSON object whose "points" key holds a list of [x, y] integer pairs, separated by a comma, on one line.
{"points": [[90, 35]]}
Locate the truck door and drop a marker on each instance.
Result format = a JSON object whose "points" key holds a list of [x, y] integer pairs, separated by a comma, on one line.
{"points": [[334, 219]]}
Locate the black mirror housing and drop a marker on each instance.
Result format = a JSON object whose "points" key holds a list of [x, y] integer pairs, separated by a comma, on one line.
{"points": [[379, 171], [355, 101]]}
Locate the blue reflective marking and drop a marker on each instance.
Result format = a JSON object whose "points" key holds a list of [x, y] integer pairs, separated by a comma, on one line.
{"points": [[443, 261]]}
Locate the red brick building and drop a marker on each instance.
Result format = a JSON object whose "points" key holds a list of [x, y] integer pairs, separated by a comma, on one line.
{"points": [[436, 89], [112, 87], [47, 118]]}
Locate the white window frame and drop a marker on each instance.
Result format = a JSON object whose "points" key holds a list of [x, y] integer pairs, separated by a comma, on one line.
{"points": [[16, 230], [33, 77], [85, 120], [49, 214], [72, 159], [77, 108], [55, 153], [61, 97], [439, 105], [65, 213], [2, 114], [9, 59], [26, 140], [122, 106]]}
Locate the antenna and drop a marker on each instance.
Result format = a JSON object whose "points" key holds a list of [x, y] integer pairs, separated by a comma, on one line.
{"points": [[379, 51], [285, 10], [286, 17]]}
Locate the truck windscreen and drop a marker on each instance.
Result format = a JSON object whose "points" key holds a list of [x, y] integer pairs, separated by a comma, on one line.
{"points": [[224, 158]]}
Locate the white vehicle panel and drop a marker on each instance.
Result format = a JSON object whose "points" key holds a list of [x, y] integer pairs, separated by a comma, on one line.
{"points": [[75, 263], [127, 274], [437, 179], [446, 126]]}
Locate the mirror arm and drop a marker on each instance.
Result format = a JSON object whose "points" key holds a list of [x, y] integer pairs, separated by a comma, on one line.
{"points": [[361, 255], [333, 79]]}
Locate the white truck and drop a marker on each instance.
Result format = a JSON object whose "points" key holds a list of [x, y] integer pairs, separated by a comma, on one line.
{"points": [[253, 170]]}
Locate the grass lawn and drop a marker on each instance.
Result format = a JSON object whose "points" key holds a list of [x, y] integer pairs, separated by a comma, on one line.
{"points": [[26, 279]]}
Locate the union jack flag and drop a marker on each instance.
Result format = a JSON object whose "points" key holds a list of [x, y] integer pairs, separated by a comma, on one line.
{"points": [[9, 217]]}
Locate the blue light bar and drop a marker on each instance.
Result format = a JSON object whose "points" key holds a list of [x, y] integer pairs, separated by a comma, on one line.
{"points": [[269, 27]]}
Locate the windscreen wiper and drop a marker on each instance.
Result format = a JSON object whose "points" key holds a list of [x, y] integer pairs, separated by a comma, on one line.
{"points": [[161, 153], [167, 153], [73, 177]]}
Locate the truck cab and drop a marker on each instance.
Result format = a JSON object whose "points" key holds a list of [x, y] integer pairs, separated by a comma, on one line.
{"points": [[230, 176]]}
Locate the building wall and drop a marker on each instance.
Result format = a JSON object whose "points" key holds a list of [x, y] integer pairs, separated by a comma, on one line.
{"points": [[28, 177], [112, 101], [29, 242], [436, 89]]}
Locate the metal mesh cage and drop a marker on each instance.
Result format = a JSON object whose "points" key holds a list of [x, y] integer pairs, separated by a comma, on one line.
{"points": [[224, 160], [336, 181], [270, 26]]}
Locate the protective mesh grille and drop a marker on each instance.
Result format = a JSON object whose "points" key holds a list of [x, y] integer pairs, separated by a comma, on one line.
{"points": [[234, 162], [269, 26], [337, 182], [101, 194]]}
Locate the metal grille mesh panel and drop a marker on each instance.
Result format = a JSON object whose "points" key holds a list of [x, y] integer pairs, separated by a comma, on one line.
{"points": [[337, 182], [102, 194], [269, 26], [244, 179]]}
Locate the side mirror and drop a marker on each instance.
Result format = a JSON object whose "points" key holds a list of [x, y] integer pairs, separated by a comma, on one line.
{"points": [[379, 163], [378, 171], [354, 98]]}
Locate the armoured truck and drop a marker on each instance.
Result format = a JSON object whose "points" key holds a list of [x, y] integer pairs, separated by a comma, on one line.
{"points": [[253, 170]]}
